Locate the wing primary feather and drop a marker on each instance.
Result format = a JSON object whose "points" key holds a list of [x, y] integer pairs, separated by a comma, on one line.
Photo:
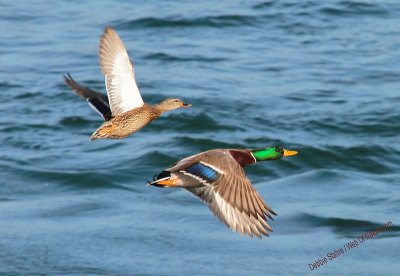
{"points": [[265, 224], [256, 204], [244, 199], [251, 210]]}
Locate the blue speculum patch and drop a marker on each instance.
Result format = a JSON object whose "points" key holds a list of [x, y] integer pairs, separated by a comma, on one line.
{"points": [[203, 171]]}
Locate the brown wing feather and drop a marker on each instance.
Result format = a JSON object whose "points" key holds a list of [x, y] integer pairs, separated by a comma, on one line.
{"points": [[231, 197], [83, 91]]}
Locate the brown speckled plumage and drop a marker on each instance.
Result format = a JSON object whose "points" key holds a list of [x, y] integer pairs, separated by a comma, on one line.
{"points": [[127, 123]]}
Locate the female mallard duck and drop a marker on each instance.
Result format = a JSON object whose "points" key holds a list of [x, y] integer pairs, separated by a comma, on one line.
{"points": [[126, 111], [218, 179]]}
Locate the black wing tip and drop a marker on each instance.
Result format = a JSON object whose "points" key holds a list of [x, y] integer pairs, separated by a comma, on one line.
{"points": [[269, 213], [67, 78], [69, 81]]}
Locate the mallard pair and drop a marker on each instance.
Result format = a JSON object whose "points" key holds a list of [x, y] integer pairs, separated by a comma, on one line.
{"points": [[216, 176]]}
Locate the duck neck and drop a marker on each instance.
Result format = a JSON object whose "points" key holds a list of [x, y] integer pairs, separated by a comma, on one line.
{"points": [[243, 157], [161, 108]]}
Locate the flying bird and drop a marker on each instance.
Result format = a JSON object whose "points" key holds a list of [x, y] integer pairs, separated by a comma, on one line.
{"points": [[123, 110], [217, 177]]}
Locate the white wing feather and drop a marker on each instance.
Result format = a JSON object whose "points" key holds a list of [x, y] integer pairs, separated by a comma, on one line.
{"points": [[236, 220], [122, 90]]}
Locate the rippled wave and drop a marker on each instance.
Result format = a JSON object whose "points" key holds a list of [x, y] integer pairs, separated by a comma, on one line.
{"points": [[208, 21], [350, 228], [320, 77]]}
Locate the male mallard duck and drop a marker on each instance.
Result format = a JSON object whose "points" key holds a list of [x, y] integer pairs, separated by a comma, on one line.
{"points": [[126, 111], [218, 179]]}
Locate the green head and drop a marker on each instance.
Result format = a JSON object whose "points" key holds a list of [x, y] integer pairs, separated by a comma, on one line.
{"points": [[272, 153]]}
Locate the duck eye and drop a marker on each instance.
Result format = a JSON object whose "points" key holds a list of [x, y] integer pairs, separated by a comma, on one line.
{"points": [[278, 149]]}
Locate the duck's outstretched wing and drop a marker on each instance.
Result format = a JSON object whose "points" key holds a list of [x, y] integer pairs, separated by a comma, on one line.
{"points": [[237, 204], [98, 101], [83, 91], [122, 90], [227, 191]]}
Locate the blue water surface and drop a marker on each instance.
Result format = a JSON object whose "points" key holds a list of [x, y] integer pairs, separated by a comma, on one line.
{"points": [[320, 77]]}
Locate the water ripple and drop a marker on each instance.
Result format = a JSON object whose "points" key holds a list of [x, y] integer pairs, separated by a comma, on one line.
{"points": [[207, 21], [349, 228], [353, 8]]}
